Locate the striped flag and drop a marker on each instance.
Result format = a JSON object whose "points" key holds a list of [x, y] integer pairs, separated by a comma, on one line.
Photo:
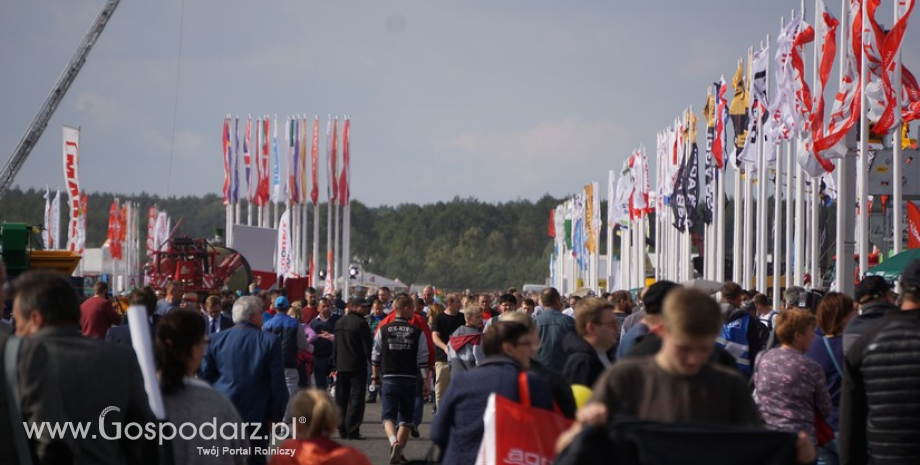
{"points": [[247, 158]]}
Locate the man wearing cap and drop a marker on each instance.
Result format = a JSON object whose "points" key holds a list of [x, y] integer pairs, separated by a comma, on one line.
{"points": [[652, 300], [875, 299], [351, 353], [880, 401], [292, 339]]}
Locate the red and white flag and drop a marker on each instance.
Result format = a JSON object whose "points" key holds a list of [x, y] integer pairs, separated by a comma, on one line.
{"points": [[72, 180], [913, 225], [344, 179]]}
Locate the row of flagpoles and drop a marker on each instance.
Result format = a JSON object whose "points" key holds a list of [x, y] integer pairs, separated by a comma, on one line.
{"points": [[281, 181], [780, 137]]}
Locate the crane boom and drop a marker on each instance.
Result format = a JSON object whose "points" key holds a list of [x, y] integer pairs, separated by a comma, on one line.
{"points": [[35, 130]]}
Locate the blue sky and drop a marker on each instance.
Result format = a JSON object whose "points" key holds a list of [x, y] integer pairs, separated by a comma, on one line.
{"points": [[497, 100]]}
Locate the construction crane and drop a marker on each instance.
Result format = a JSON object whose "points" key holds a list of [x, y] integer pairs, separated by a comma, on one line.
{"points": [[35, 130]]}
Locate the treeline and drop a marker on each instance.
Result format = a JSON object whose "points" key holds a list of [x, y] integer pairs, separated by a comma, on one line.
{"points": [[464, 243]]}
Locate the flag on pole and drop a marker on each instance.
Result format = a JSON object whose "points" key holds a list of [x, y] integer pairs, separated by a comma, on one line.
{"points": [[815, 164], [292, 129], [692, 187], [46, 231], [881, 48], [748, 153], [846, 110], [332, 187], [227, 155], [314, 192], [344, 192], [247, 158], [719, 141], [236, 160], [152, 215], [81, 224], [738, 110], [709, 114], [72, 180], [283, 256], [913, 225], [276, 169], [264, 192], [591, 236], [55, 225]]}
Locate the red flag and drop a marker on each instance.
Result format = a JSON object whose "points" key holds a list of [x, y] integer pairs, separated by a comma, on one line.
{"points": [[226, 155], [884, 204], [115, 230], [913, 225], [333, 155], [552, 222], [344, 192]]}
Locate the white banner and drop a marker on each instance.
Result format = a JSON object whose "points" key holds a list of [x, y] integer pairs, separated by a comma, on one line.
{"points": [[283, 250], [72, 181]]}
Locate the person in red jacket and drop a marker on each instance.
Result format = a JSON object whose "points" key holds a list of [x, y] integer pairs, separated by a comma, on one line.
{"points": [[419, 322], [97, 314]]}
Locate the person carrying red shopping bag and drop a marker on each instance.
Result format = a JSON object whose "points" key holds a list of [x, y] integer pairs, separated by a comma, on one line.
{"points": [[459, 428]]}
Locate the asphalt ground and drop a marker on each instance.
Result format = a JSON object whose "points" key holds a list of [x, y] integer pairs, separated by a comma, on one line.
{"points": [[377, 448]]}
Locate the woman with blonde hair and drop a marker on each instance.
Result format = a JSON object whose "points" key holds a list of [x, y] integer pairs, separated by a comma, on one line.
{"points": [[318, 419], [790, 387]]}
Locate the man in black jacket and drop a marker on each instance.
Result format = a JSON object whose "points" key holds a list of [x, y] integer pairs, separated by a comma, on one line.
{"points": [[880, 402], [399, 358], [588, 350], [875, 299], [351, 352]]}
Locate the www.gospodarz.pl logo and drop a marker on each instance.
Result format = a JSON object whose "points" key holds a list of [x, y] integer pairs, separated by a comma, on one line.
{"points": [[163, 431]]}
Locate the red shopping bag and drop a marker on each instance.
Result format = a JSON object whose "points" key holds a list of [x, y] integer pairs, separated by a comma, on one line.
{"points": [[518, 432]]}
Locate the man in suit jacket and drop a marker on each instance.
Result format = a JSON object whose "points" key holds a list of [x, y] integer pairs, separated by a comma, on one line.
{"points": [[65, 377], [214, 320], [244, 363]]}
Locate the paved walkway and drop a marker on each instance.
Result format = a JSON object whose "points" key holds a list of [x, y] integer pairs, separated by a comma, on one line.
{"points": [[376, 446]]}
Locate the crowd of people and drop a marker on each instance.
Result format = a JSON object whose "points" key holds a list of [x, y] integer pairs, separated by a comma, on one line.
{"points": [[824, 378]]}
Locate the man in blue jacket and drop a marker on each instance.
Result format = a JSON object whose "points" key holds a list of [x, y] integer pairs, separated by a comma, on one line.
{"points": [[552, 327], [245, 363], [292, 340]]}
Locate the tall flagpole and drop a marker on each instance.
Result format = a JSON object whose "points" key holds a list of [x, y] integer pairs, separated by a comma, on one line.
{"points": [[611, 199], [763, 176], [845, 168], [898, 194], [346, 211], [738, 260], [862, 169], [817, 280], [314, 163]]}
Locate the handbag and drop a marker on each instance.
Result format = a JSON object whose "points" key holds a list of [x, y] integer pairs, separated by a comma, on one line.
{"points": [[519, 432], [823, 431]]}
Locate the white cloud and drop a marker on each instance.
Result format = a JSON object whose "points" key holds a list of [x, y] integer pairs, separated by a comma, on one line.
{"points": [[103, 110]]}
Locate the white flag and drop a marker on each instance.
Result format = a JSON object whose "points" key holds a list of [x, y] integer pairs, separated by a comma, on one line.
{"points": [[283, 249], [55, 225], [46, 231]]}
